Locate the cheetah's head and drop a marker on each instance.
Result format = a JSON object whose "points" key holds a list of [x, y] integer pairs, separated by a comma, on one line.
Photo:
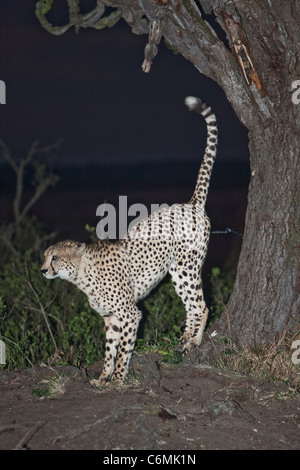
{"points": [[62, 260]]}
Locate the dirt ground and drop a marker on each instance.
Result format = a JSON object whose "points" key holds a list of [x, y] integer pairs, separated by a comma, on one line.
{"points": [[163, 407]]}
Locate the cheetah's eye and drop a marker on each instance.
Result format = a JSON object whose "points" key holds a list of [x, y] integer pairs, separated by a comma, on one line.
{"points": [[54, 258]]}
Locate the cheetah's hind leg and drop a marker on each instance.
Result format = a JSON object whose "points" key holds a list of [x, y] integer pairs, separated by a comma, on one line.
{"points": [[188, 285], [199, 321]]}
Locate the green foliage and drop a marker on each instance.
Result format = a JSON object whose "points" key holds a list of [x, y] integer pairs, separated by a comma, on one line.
{"points": [[165, 310], [221, 287], [92, 233], [85, 330], [44, 320], [165, 345], [2, 306]]}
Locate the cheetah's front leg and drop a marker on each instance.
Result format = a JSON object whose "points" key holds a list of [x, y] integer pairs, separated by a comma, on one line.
{"points": [[112, 330], [128, 334]]}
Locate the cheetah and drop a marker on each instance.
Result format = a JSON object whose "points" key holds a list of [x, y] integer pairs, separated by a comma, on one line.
{"points": [[115, 276]]}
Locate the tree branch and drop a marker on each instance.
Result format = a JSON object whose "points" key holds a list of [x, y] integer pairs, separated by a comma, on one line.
{"points": [[151, 48], [40, 189], [42, 310], [11, 232], [6, 233], [183, 27], [7, 156], [43, 182], [88, 20]]}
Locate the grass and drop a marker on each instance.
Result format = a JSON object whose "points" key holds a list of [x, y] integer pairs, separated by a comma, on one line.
{"points": [[166, 345], [277, 362], [53, 387], [270, 362]]}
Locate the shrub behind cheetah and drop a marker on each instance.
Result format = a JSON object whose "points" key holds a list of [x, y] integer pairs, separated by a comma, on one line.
{"points": [[115, 276]]}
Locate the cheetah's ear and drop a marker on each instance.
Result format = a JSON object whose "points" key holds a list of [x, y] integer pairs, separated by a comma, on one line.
{"points": [[81, 247]]}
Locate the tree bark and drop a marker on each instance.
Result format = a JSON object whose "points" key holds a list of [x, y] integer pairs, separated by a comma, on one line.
{"points": [[256, 73], [266, 296]]}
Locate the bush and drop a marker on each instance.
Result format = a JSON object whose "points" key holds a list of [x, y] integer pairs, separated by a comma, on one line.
{"points": [[221, 289], [164, 311], [42, 320]]}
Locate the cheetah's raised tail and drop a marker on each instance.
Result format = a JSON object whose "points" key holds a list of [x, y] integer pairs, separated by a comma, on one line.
{"points": [[203, 180]]}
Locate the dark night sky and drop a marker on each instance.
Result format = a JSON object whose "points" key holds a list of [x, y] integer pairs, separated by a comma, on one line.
{"points": [[89, 89]]}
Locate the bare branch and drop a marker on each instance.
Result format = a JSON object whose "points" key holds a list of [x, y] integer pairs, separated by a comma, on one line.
{"points": [[76, 19], [136, 19], [19, 168], [151, 48], [7, 156], [34, 149], [6, 233], [40, 14], [42, 310], [10, 233], [43, 181], [40, 189]]}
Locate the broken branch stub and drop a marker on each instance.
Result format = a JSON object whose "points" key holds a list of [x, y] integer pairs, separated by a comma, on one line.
{"points": [[151, 48]]}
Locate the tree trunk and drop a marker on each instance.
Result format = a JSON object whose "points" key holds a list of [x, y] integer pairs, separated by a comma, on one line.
{"points": [[256, 73], [266, 296]]}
